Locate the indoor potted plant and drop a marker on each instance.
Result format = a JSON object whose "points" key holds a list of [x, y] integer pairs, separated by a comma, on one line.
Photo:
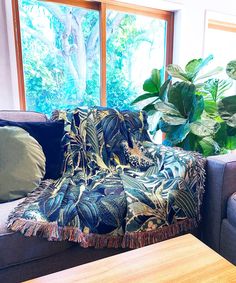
{"points": [[192, 112]]}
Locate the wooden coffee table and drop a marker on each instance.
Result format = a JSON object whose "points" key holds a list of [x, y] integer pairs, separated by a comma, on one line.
{"points": [[182, 259]]}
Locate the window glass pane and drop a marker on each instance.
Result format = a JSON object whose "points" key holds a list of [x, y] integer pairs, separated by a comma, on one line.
{"points": [[220, 44], [136, 44], [61, 55]]}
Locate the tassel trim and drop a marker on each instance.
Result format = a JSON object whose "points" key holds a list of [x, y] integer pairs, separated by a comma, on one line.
{"points": [[132, 240]]}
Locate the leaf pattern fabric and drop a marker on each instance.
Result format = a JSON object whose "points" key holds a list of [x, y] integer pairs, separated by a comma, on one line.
{"points": [[118, 188]]}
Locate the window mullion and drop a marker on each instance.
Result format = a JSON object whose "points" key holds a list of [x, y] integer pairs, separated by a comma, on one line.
{"points": [[103, 54], [169, 42], [19, 60]]}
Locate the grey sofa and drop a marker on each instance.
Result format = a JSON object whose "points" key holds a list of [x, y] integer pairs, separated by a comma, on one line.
{"points": [[219, 206], [24, 258]]}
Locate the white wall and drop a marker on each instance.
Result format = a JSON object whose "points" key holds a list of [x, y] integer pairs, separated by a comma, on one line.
{"points": [[188, 41], [190, 26]]}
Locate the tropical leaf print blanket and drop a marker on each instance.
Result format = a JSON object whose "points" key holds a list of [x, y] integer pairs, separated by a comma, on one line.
{"points": [[118, 188]]}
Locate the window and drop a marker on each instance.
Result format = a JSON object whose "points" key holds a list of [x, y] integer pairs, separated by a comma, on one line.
{"points": [[221, 36], [220, 40], [87, 54], [137, 46]]}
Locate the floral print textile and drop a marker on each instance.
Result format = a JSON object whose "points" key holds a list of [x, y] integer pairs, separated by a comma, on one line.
{"points": [[118, 188]]}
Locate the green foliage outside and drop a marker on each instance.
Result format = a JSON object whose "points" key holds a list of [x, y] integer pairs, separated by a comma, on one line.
{"points": [[192, 111], [61, 55]]}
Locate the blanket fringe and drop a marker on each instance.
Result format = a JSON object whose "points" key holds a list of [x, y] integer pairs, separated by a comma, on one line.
{"points": [[133, 240], [200, 168], [140, 239]]}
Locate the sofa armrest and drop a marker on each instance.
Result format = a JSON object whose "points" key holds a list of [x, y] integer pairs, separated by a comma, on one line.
{"points": [[220, 184]]}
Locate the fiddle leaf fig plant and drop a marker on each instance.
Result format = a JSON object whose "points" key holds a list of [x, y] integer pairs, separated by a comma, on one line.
{"points": [[231, 69], [227, 110], [192, 112], [153, 90], [213, 91], [192, 70]]}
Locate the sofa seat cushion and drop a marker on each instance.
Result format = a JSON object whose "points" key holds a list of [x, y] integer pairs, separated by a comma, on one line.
{"points": [[231, 210], [5, 209], [16, 248], [227, 241]]}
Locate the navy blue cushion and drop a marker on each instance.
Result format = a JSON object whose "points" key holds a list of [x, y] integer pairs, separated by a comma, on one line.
{"points": [[49, 135]]}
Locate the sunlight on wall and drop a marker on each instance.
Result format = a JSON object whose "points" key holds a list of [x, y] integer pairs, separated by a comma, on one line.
{"points": [[221, 43]]}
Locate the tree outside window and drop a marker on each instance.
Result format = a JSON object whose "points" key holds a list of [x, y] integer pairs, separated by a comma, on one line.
{"points": [[61, 55]]}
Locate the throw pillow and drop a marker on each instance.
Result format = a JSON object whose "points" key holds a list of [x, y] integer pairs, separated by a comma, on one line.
{"points": [[22, 163], [49, 135]]}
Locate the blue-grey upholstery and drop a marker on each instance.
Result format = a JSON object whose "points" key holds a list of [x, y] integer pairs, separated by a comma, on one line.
{"points": [[231, 210], [24, 258], [22, 116], [227, 241], [16, 249], [219, 206]]}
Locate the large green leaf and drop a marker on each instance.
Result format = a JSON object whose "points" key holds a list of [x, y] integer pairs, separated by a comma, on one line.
{"points": [[231, 69], [204, 127], [173, 120], [182, 95], [192, 69], [227, 110], [216, 88], [232, 121], [209, 146], [231, 142], [210, 107], [153, 84], [221, 135], [167, 108], [153, 122], [211, 73], [198, 107], [150, 108], [174, 134], [170, 114], [156, 77], [195, 66], [176, 72], [163, 89], [149, 86], [191, 142], [144, 97]]}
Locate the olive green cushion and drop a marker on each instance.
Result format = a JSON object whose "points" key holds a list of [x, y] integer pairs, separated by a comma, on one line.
{"points": [[22, 163]]}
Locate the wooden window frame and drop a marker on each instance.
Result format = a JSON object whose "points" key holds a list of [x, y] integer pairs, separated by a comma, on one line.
{"points": [[220, 25], [102, 7]]}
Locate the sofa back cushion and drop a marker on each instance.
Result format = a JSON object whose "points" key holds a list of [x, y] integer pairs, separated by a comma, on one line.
{"points": [[22, 116], [22, 163], [49, 135]]}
